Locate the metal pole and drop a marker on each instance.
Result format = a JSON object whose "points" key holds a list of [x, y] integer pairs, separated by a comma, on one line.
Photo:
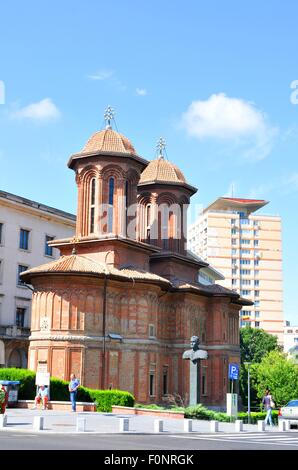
{"points": [[248, 394]]}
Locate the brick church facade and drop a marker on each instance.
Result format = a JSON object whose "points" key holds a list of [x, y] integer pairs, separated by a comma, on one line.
{"points": [[120, 305]]}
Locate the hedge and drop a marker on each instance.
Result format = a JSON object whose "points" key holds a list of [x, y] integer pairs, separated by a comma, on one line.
{"points": [[256, 416], [104, 399]]}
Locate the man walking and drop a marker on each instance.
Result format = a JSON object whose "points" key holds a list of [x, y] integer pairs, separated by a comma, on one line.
{"points": [[73, 390]]}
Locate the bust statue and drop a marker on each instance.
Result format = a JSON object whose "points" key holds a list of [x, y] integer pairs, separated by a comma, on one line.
{"points": [[195, 354]]}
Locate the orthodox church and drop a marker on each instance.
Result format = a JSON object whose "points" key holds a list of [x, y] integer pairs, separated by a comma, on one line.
{"points": [[120, 305]]}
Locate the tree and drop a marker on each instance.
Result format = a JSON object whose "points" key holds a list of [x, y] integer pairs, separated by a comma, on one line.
{"points": [[255, 344], [279, 374]]}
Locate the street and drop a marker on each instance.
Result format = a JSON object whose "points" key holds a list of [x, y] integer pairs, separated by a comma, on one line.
{"points": [[11, 440]]}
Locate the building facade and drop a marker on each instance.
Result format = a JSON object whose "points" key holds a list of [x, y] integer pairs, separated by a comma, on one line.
{"points": [[119, 306], [25, 228], [247, 248]]}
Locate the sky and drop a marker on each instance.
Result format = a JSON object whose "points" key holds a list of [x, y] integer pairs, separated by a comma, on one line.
{"points": [[218, 80]]}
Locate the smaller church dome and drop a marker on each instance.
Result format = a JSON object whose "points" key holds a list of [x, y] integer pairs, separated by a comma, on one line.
{"points": [[161, 170], [108, 140]]}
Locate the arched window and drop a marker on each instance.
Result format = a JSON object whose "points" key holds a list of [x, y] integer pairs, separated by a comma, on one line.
{"points": [[148, 222], [92, 204], [111, 204]]}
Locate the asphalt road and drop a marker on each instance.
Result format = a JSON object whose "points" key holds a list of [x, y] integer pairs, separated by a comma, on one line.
{"points": [[249, 441]]}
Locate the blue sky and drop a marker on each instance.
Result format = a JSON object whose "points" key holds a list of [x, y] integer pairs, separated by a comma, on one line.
{"points": [[214, 78]]}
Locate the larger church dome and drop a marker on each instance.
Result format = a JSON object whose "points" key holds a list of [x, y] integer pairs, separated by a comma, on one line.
{"points": [[108, 140]]}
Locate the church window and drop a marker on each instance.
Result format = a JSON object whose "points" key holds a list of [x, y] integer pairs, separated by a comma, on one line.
{"points": [[111, 204], [92, 205]]}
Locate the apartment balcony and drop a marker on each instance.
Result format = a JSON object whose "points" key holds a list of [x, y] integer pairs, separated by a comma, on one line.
{"points": [[13, 331]]}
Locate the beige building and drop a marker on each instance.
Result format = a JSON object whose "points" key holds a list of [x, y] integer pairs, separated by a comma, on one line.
{"points": [[25, 228], [246, 248]]}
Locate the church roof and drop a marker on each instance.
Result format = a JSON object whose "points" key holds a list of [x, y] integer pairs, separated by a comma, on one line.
{"points": [[108, 140], [78, 264], [161, 170]]}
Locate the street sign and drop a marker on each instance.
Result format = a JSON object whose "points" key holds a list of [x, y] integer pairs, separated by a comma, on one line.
{"points": [[233, 371]]}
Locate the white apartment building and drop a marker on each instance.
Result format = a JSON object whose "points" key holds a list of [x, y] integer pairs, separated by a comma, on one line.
{"points": [[246, 248], [290, 338], [25, 228]]}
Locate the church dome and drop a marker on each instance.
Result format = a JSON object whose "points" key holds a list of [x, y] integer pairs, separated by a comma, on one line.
{"points": [[163, 171], [108, 140]]}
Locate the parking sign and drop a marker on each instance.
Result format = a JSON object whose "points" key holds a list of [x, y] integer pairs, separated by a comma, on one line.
{"points": [[233, 371]]}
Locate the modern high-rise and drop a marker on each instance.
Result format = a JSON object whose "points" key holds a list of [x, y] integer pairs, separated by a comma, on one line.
{"points": [[246, 248]]}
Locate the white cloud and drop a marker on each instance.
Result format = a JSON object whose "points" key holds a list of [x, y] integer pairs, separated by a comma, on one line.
{"points": [[103, 74], [230, 119], [141, 91], [42, 111]]}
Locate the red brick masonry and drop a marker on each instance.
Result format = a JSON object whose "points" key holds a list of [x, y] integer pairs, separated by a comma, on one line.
{"points": [[144, 411]]}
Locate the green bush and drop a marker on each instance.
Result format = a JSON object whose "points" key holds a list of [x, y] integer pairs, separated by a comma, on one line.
{"points": [[201, 412], [256, 416], [104, 399], [27, 379]]}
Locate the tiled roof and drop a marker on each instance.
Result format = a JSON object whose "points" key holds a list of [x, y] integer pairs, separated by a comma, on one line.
{"points": [[162, 170], [82, 264], [108, 140]]}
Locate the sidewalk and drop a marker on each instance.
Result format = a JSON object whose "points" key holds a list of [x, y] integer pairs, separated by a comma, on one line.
{"points": [[108, 423]]}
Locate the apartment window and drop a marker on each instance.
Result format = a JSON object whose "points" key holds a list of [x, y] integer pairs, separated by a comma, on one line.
{"points": [[245, 261], [257, 283], [257, 272], [48, 250], [234, 271], [245, 282], [245, 241], [21, 268], [245, 231], [234, 241], [234, 282], [257, 314], [257, 293], [165, 380], [24, 239], [233, 231], [256, 242], [244, 252], [257, 324], [234, 251], [233, 221], [245, 292], [256, 233], [20, 317], [1, 233], [256, 262], [234, 261], [244, 221], [245, 271], [1, 270], [256, 222], [257, 303]]}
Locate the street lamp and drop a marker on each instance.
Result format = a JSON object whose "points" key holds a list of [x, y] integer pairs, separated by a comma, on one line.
{"points": [[248, 391]]}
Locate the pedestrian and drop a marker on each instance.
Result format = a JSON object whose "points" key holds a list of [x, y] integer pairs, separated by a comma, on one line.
{"points": [[73, 389], [42, 395], [268, 404]]}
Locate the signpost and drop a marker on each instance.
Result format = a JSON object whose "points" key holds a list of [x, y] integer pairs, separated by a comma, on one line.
{"points": [[232, 399]]}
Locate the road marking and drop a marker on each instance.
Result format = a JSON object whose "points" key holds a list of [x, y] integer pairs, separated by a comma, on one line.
{"points": [[250, 439]]}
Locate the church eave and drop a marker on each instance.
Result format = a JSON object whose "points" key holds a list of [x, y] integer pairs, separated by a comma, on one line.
{"points": [[82, 155]]}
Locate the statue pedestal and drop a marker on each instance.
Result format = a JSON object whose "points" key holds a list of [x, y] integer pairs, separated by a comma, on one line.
{"points": [[194, 395]]}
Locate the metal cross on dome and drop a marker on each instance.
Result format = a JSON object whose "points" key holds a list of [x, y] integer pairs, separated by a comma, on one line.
{"points": [[161, 145], [108, 116]]}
